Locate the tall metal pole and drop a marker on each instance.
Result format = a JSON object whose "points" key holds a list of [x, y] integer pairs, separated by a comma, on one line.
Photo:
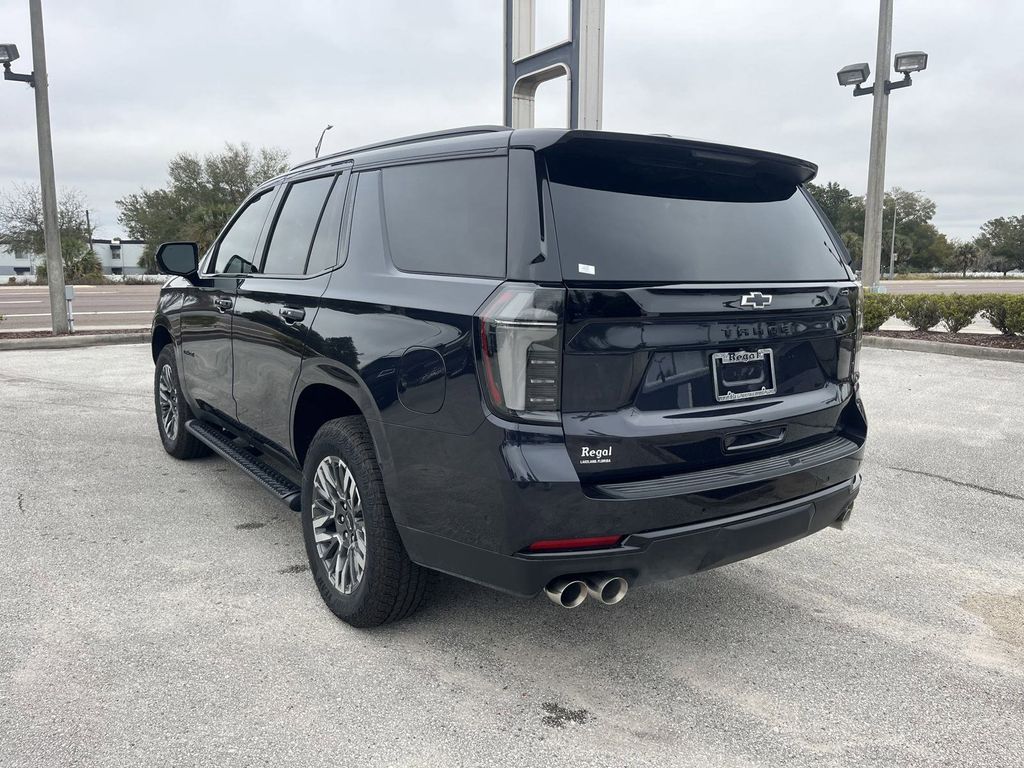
{"points": [[876, 161], [48, 187], [892, 247]]}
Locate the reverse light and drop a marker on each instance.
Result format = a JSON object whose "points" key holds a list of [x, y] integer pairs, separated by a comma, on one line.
{"points": [[558, 545], [519, 335]]}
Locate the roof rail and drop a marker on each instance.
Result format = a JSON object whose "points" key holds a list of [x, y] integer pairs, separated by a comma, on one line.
{"points": [[451, 132]]}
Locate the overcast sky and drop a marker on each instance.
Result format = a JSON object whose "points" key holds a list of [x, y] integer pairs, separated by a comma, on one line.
{"points": [[132, 82]]}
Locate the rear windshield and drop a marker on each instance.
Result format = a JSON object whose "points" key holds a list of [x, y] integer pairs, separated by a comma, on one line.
{"points": [[665, 219]]}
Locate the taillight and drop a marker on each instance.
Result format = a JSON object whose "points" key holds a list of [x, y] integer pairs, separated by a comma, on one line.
{"points": [[519, 334], [859, 333]]}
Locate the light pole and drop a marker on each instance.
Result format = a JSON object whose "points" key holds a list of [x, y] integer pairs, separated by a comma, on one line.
{"points": [[47, 185], [856, 75], [316, 152], [892, 246]]}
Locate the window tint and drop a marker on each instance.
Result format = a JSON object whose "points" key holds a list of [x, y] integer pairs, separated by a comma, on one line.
{"points": [[324, 253], [293, 231], [630, 220], [447, 217], [366, 239], [237, 246]]}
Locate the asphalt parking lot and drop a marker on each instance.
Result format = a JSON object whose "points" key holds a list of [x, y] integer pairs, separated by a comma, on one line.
{"points": [[154, 612]]}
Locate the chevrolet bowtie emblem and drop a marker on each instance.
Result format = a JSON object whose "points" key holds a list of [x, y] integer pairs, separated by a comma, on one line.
{"points": [[757, 300]]}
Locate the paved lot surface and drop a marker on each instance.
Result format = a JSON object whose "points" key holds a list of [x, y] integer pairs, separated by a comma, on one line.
{"points": [[955, 286], [154, 612], [95, 306]]}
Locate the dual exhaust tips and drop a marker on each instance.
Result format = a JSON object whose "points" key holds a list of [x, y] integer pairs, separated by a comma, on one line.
{"points": [[572, 591]]}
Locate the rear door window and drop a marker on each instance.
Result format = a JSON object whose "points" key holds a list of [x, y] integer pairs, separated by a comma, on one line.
{"points": [[448, 217], [292, 237], [624, 220], [324, 253]]}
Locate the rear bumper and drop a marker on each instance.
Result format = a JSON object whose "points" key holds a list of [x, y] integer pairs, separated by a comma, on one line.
{"points": [[644, 557]]}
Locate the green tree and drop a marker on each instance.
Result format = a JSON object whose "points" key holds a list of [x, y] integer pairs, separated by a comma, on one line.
{"points": [[965, 255], [919, 245], [855, 246], [200, 196], [1002, 244], [21, 230], [846, 212]]}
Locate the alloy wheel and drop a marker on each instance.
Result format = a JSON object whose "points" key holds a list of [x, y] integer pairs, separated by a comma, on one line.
{"points": [[168, 395], [339, 528]]}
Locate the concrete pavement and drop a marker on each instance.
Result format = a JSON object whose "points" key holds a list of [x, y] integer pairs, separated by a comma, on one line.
{"points": [[156, 612]]}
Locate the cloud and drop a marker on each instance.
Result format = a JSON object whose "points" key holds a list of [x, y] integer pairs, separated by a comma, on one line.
{"points": [[134, 83]]}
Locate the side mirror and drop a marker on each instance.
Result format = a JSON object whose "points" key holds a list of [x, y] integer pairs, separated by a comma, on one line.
{"points": [[178, 259]]}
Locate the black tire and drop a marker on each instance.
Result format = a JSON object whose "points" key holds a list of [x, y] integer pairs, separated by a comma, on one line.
{"points": [[182, 444], [391, 586]]}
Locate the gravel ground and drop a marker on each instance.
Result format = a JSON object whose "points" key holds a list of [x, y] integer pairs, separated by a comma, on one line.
{"points": [[154, 612]]}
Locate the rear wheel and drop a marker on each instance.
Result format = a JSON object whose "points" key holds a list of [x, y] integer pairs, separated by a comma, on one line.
{"points": [[355, 553], [172, 411]]}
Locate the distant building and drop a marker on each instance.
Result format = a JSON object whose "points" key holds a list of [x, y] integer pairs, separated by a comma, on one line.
{"points": [[117, 257], [12, 263]]}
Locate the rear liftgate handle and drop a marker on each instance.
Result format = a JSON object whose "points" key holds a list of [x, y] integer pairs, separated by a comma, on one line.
{"points": [[748, 440]]}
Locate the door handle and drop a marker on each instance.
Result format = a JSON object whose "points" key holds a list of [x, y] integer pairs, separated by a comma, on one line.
{"points": [[224, 304], [292, 314]]}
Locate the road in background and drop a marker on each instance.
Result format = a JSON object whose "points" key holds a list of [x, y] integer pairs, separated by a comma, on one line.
{"points": [[161, 612], [1015, 285], [27, 308]]}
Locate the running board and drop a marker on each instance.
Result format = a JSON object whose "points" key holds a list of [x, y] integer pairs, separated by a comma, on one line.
{"points": [[267, 476]]}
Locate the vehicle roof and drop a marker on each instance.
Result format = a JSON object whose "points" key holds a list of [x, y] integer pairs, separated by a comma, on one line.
{"points": [[481, 139]]}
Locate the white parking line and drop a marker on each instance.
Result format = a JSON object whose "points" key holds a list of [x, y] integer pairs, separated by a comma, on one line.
{"points": [[32, 301]]}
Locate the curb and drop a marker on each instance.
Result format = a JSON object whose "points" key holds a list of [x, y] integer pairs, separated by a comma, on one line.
{"points": [[71, 342], [945, 348]]}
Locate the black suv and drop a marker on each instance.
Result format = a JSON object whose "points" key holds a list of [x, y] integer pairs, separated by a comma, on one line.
{"points": [[538, 359]]}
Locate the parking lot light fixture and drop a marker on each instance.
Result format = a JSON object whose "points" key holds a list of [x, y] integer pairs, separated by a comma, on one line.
{"points": [[856, 75], [8, 53], [910, 61], [47, 184]]}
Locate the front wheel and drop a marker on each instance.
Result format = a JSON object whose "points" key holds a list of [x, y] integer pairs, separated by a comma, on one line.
{"points": [[355, 553], [172, 409]]}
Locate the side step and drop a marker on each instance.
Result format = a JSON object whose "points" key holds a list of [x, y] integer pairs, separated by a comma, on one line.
{"points": [[267, 476]]}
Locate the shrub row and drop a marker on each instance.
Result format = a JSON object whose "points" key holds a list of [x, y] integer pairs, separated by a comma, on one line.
{"points": [[955, 311]]}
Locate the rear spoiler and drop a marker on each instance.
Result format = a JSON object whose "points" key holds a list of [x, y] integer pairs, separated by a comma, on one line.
{"points": [[722, 157]]}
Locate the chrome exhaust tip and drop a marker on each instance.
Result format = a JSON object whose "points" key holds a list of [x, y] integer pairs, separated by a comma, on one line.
{"points": [[566, 591], [608, 589]]}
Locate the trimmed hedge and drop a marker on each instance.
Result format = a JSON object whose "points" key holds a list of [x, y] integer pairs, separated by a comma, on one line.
{"points": [[1005, 311], [878, 307], [958, 311], [921, 310], [955, 311]]}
